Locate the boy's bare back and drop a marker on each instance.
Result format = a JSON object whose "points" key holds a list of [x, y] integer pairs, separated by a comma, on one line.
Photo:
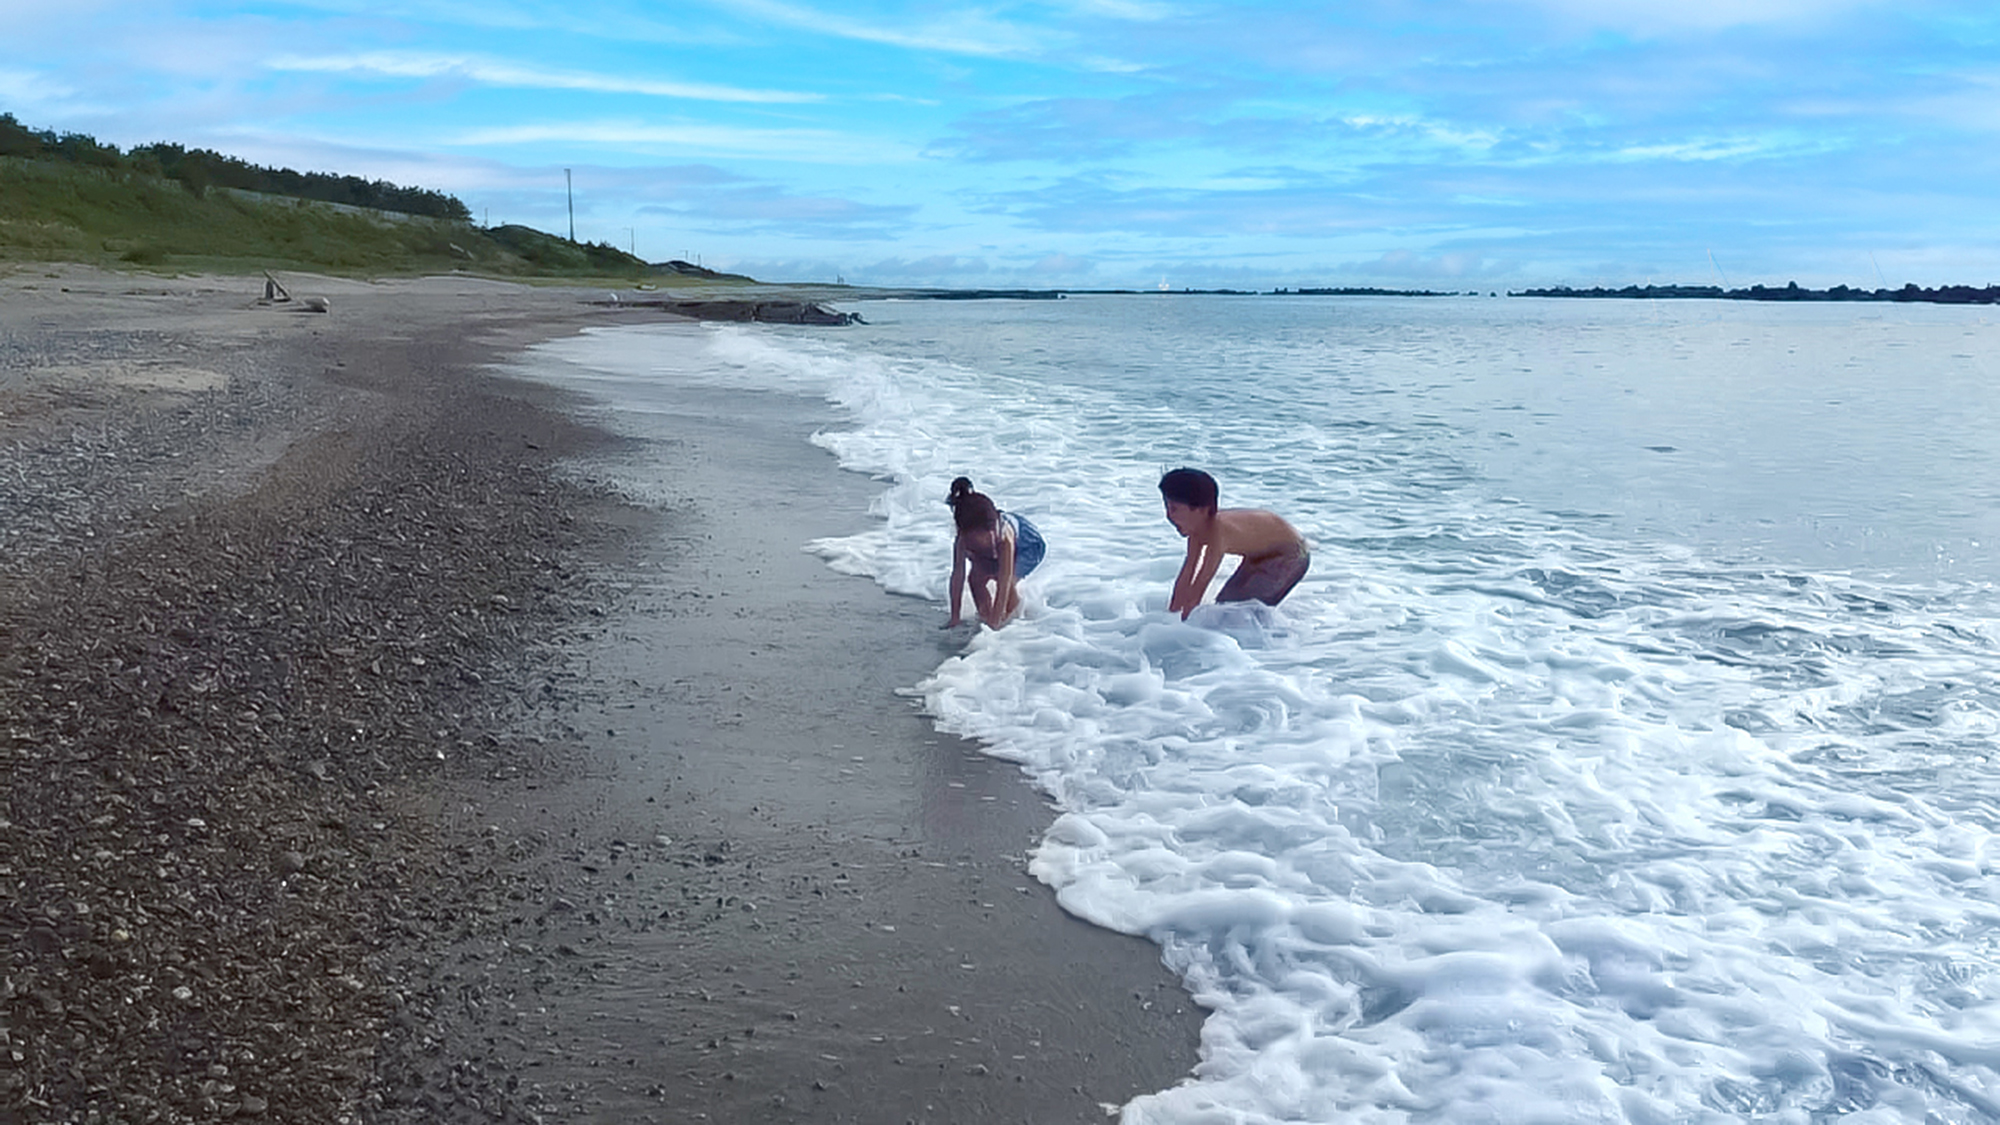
{"points": [[1254, 532]]}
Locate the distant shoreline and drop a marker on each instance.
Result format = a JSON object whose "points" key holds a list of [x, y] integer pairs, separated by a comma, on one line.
{"points": [[1908, 294], [1942, 295]]}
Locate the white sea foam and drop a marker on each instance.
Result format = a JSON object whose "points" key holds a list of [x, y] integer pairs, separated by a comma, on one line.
{"points": [[1627, 754]]}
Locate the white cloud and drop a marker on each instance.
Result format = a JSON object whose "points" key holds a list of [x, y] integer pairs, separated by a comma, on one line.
{"points": [[936, 268], [1692, 150], [1448, 266], [1105, 64], [957, 33], [1973, 105], [1473, 140], [1725, 148], [818, 146], [1241, 183], [1062, 265], [1666, 17], [1137, 11], [398, 64], [27, 87]]}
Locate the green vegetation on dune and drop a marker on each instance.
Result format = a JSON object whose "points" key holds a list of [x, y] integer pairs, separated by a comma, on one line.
{"points": [[161, 207], [199, 169], [57, 211]]}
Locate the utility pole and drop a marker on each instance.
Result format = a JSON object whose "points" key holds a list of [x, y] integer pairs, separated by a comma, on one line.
{"points": [[570, 191], [631, 243]]}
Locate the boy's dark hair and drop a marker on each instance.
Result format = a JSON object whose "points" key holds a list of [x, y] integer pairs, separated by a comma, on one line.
{"points": [[1192, 487]]}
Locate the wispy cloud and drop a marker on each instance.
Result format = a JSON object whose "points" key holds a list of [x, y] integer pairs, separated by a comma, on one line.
{"points": [[1137, 11], [28, 87], [1105, 64], [810, 145], [489, 72], [1075, 129], [1096, 205], [1452, 266], [932, 269], [1668, 17], [767, 207], [1717, 149], [1060, 265], [966, 32]]}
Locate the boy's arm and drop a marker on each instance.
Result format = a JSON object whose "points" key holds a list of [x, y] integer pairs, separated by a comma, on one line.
{"points": [[957, 581], [1197, 571]]}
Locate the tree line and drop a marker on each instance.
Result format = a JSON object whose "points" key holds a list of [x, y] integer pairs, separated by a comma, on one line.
{"points": [[199, 169]]}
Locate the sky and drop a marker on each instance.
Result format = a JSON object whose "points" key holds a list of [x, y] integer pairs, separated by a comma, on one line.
{"points": [[1451, 145]]}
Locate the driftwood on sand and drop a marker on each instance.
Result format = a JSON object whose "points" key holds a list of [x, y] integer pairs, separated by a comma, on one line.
{"points": [[276, 293]]}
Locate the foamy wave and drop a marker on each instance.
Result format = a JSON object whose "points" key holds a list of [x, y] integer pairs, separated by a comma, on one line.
{"points": [[1515, 810]]}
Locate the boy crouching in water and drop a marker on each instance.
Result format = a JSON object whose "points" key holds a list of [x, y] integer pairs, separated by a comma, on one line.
{"points": [[1274, 553]]}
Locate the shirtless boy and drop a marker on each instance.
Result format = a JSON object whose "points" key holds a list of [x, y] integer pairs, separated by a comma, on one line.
{"points": [[1274, 553]]}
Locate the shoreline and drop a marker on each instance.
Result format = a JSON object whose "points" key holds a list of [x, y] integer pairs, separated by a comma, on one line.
{"points": [[769, 811], [309, 635]]}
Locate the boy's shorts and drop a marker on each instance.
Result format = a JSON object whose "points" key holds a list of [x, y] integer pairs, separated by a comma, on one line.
{"points": [[1267, 578]]}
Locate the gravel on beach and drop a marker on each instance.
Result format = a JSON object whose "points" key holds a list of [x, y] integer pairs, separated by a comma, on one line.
{"points": [[365, 758], [259, 587]]}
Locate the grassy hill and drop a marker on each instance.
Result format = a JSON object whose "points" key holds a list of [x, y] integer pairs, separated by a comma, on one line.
{"points": [[56, 210]]}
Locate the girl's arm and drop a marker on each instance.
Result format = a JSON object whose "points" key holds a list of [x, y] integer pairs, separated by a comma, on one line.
{"points": [[958, 565]]}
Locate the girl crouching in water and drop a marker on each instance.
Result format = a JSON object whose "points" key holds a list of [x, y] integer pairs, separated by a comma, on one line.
{"points": [[994, 550]]}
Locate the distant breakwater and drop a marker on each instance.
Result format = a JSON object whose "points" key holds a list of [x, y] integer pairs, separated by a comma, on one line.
{"points": [[760, 312]]}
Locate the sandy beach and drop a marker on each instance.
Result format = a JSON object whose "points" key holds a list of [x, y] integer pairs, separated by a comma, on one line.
{"points": [[366, 760]]}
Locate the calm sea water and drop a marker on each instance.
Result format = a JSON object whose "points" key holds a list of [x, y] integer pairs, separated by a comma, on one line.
{"points": [[1628, 755]]}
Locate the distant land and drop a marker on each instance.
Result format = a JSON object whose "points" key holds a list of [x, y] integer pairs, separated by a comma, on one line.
{"points": [[1341, 291], [1364, 291], [1942, 295]]}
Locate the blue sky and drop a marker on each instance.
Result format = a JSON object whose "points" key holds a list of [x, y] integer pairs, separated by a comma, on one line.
{"points": [[1446, 144]]}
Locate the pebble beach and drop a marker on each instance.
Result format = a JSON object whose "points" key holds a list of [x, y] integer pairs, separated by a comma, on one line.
{"points": [[365, 762]]}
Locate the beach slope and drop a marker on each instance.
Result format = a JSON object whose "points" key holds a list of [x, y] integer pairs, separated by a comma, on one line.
{"points": [[364, 761]]}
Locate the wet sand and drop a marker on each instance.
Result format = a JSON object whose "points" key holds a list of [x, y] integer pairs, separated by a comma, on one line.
{"points": [[682, 852], [796, 900]]}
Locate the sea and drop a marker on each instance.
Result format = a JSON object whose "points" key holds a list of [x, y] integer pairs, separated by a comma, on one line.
{"points": [[1631, 752]]}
